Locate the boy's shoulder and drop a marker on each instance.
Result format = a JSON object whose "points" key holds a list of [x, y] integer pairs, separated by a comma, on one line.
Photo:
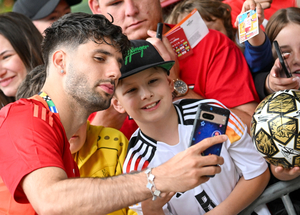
{"points": [[187, 108]]}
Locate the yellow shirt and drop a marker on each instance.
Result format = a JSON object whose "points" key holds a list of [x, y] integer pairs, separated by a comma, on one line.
{"points": [[102, 155]]}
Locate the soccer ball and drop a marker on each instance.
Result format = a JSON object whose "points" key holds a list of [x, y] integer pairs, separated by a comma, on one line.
{"points": [[275, 128]]}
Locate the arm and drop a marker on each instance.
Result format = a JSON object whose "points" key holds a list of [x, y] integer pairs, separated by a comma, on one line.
{"points": [[285, 174], [245, 112], [51, 192], [150, 207], [258, 49], [242, 196], [248, 163], [166, 51], [251, 5], [109, 118], [265, 4]]}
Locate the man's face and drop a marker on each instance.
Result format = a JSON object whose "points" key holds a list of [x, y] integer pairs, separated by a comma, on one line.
{"points": [[92, 72], [61, 9], [134, 16]]}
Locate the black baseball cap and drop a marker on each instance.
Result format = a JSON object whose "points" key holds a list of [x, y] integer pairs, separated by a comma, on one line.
{"points": [[142, 55], [38, 9]]}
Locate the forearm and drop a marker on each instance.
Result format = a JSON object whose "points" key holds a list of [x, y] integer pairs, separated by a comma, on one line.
{"points": [[50, 191], [108, 194], [190, 95], [86, 195], [258, 39], [244, 193], [109, 118]]}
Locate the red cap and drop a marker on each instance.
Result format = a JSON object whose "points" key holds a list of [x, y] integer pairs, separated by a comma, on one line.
{"points": [[165, 3]]}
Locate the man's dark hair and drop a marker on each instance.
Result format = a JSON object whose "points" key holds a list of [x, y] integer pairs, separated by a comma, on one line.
{"points": [[74, 29]]}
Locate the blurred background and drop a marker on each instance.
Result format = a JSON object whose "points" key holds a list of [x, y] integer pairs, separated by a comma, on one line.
{"points": [[6, 5]]}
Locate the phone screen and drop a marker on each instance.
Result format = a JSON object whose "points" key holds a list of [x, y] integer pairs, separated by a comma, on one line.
{"points": [[210, 122]]}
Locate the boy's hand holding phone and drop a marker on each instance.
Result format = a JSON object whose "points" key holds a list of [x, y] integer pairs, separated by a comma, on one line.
{"points": [[188, 167], [210, 121]]}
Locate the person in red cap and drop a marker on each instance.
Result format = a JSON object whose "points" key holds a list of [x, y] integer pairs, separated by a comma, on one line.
{"points": [[44, 12]]}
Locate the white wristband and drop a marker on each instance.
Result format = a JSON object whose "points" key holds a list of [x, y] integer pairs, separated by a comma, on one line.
{"points": [[150, 184]]}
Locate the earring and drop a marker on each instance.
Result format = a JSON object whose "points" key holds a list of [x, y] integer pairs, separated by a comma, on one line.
{"points": [[62, 71]]}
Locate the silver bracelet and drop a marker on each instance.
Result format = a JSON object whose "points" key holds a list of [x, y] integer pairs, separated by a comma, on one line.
{"points": [[150, 184]]}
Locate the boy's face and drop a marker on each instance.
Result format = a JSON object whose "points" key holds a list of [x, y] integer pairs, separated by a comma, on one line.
{"points": [[145, 96]]}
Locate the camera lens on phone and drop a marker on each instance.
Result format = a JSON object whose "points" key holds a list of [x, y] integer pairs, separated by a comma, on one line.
{"points": [[208, 116]]}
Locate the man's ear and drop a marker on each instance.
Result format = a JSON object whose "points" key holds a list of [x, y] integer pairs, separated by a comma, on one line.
{"points": [[118, 107], [59, 60], [94, 6]]}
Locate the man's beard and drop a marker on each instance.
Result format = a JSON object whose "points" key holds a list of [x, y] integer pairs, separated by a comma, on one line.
{"points": [[78, 88]]}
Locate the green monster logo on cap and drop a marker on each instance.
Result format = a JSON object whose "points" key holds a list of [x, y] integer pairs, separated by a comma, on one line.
{"points": [[134, 51]]}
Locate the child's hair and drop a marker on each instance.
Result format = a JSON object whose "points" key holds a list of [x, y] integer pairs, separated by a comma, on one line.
{"points": [[280, 19], [208, 9], [33, 83]]}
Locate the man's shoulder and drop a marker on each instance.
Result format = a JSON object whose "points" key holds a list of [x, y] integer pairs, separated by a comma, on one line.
{"points": [[22, 105], [23, 110]]}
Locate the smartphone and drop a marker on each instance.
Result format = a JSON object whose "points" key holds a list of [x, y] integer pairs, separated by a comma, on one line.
{"points": [[159, 30], [210, 121], [282, 61]]}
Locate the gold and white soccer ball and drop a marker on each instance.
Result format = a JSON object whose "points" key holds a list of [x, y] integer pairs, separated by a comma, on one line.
{"points": [[275, 128]]}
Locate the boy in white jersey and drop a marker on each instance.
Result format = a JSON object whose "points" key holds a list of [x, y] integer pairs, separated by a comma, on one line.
{"points": [[145, 91]]}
